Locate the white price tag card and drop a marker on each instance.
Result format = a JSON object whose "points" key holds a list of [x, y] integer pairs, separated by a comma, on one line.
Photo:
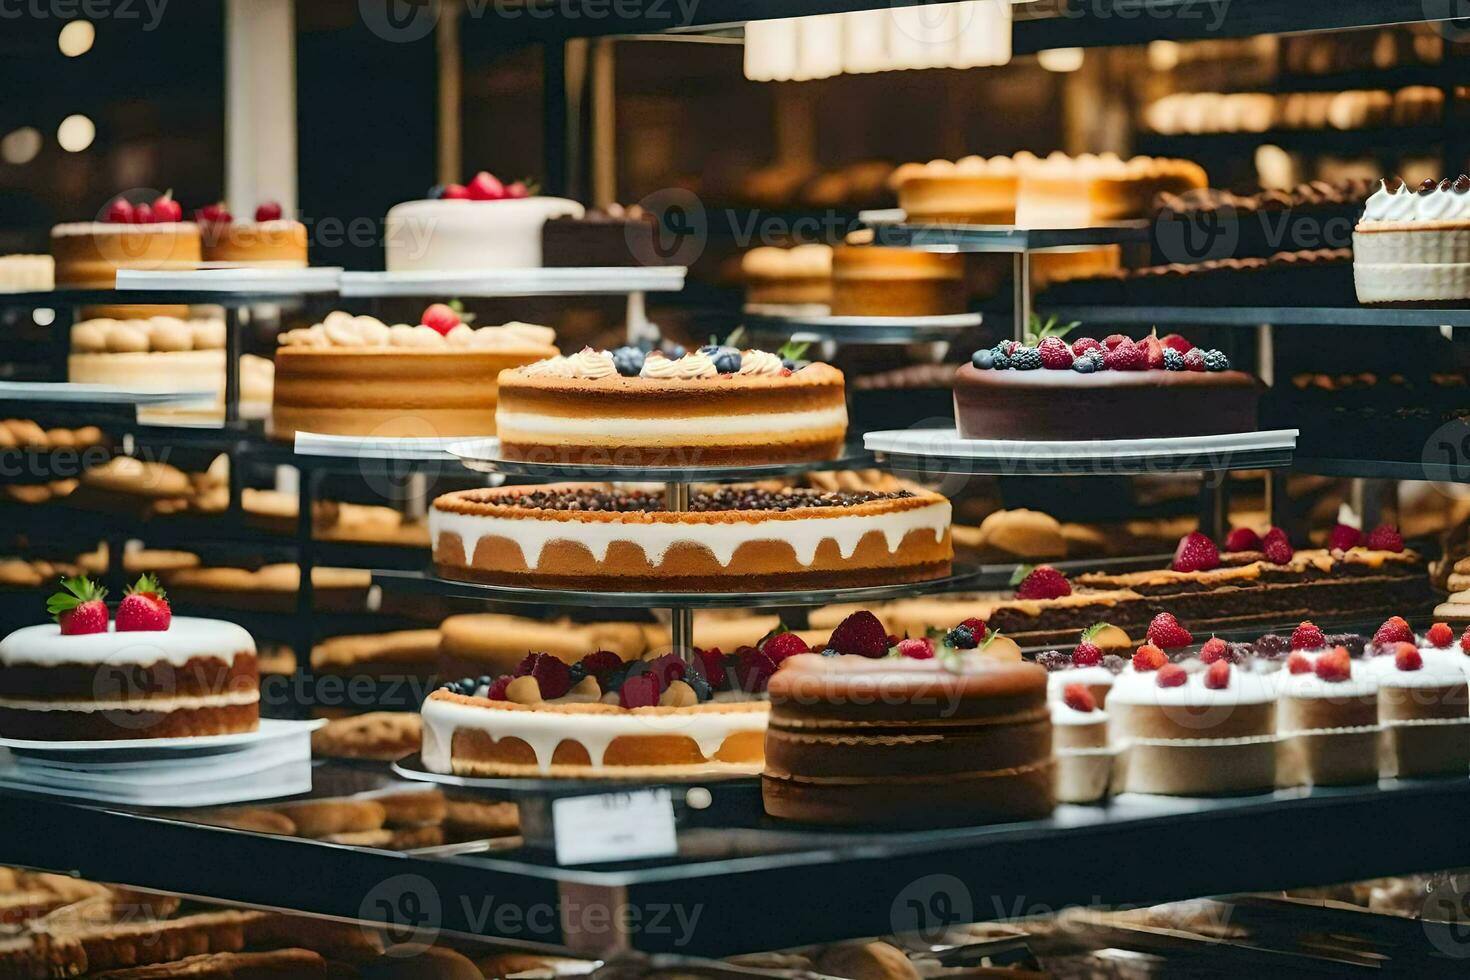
{"points": [[614, 827]]}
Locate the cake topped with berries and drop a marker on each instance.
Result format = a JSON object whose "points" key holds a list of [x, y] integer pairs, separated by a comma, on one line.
{"points": [[582, 535], [270, 241], [601, 717], [355, 375], [715, 406], [133, 672], [149, 235], [482, 224], [1115, 388]]}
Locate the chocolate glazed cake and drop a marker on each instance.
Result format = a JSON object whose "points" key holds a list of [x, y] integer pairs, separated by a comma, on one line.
{"points": [[855, 741], [588, 536], [1065, 405]]}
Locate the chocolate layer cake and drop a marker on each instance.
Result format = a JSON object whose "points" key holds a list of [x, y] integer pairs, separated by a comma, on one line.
{"points": [[603, 237], [991, 404], [899, 742]]}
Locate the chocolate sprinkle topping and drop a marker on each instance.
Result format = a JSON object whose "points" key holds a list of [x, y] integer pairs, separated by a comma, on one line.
{"points": [[1428, 186], [1462, 184], [722, 499]]}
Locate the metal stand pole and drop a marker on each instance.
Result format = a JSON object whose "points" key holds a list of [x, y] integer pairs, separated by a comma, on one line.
{"points": [[1021, 292], [233, 321], [637, 326], [308, 484], [681, 618]]}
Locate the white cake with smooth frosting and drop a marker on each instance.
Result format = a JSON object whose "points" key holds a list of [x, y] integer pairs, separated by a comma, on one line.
{"points": [[1413, 246], [1425, 711], [463, 235]]}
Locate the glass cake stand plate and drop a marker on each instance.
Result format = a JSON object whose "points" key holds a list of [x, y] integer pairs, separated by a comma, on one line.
{"points": [[84, 394], [944, 452], [270, 729], [570, 281], [483, 455], [412, 767], [858, 329], [423, 584], [430, 449], [224, 278]]}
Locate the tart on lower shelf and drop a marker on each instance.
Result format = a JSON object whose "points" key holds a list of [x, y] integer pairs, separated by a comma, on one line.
{"points": [[1116, 388], [1413, 246], [138, 674], [591, 536], [898, 741], [598, 717], [717, 406], [355, 375]]}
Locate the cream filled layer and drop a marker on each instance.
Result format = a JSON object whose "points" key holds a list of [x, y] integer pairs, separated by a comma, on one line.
{"points": [[179, 703], [655, 538], [543, 731], [186, 638], [767, 424]]}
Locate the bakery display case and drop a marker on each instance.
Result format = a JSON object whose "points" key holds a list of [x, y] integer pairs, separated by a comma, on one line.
{"points": [[1012, 577]]}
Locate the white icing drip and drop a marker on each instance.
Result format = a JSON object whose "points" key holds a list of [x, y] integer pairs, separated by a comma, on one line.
{"points": [[1442, 668], [654, 538], [180, 703], [552, 367], [592, 364], [1142, 687], [1404, 204], [543, 731], [760, 362], [768, 423], [185, 638]]}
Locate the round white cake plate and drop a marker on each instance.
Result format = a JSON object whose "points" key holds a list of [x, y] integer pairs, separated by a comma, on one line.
{"points": [[87, 394], [412, 767], [483, 456], [944, 451], [375, 447], [269, 730], [234, 279], [596, 281]]}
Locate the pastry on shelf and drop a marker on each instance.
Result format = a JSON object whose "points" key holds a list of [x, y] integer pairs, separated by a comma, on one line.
{"points": [[610, 237], [717, 406], [872, 280], [162, 354], [867, 739], [396, 656], [138, 674], [146, 236], [1055, 192], [1309, 277], [270, 588], [591, 536], [799, 277], [598, 717], [27, 273], [137, 561], [275, 511], [355, 375], [1194, 728], [26, 434], [479, 226], [271, 241], [94, 945], [1327, 714], [21, 573], [1013, 535], [1115, 388], [1319, 214], [285, 963], [386, 736], [1423, 699], [1456, 609], [1413, 245], [493, 643]]}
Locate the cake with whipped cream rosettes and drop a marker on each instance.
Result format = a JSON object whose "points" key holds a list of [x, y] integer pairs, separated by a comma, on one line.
{"points": [[1327, 716], [597, 717], [1413, 245], [140, 673], [355, 375], [717, 406], [594, 536], [484, 224], [1193, 729]]}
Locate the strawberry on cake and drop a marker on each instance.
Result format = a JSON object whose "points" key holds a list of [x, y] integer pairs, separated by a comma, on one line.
{"points": [[716, 406], [1116, 388], [140, 674], [355, 375], [594, 536], [485, 224], [601, 717]]}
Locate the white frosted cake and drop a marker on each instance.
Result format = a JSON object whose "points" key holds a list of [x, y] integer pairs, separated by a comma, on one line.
{"points": [[1413, 246], [465, 235], [1424, 706], [1328, 719]]}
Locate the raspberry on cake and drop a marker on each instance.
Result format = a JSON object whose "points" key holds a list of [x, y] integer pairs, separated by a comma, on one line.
{"points": [[355, 375], [146, 675], [1121, 390], [899, 741], [598, 717], [590, 536], [715, 406]]}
